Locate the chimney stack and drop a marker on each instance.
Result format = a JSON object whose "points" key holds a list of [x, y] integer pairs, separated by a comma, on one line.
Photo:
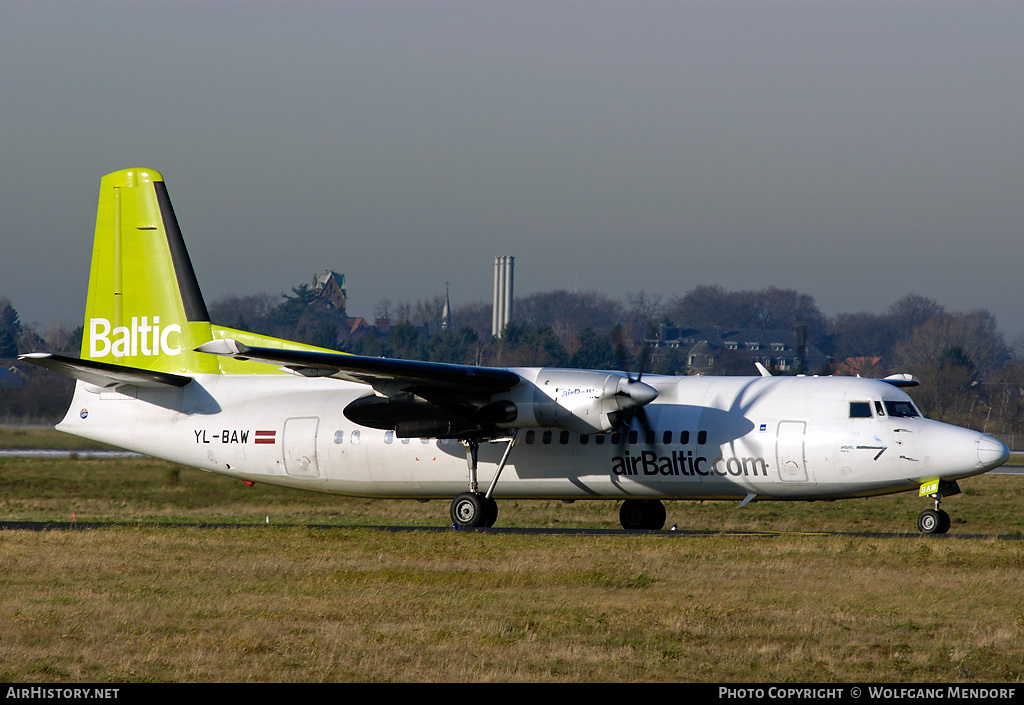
{"points": [[502, 312]]}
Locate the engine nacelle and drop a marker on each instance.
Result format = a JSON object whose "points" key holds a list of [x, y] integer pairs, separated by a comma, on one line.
{"points": [[584, 401]]}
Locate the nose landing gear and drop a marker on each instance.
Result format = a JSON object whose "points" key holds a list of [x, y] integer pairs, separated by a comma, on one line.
{"points": [[933, 521], [936, 521]]}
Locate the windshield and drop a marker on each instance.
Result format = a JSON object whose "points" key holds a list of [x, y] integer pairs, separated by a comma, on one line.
{"points": [[901, 409]]}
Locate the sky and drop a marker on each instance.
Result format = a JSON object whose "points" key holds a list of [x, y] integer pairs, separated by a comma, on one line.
{"points": [[856, 151]]}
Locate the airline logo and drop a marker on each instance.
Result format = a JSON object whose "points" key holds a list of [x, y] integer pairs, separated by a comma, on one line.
{"points": [[683, 463], [142, 338]]}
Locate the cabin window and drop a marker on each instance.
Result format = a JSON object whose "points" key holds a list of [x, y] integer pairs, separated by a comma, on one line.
{"points": [[424, 441], [666, 437], [649, 438], [405, 441], [530, 436], [584, 439], [355, 437], [616, 438], [546, 438], [684, 437], [632, 437], [339, 436], [563, 437], [901, 409], [860, 410], [702, 437], [389, 437], [600, 440]]}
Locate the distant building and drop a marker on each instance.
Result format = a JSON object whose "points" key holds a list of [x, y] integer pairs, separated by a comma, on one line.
{"points": [[862, 367], [329, 287], [711, 350]]}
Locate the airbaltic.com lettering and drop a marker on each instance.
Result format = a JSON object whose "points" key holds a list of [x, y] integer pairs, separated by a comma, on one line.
{"points": [[142, 338], [683, 463]]}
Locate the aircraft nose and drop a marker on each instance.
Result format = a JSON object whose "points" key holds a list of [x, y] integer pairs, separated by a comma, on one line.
{"points": [[992, 453]]}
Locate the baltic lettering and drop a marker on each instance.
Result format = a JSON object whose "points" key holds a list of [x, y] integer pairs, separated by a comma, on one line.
{"points": [[142, 338]]}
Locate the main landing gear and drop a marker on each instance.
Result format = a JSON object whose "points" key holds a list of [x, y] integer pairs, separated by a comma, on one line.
{"points": [[936, 521], [642, 514], [473, 509]]}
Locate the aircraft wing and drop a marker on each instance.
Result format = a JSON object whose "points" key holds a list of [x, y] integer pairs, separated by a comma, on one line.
{"points": [[385, 375], [104, 374]]}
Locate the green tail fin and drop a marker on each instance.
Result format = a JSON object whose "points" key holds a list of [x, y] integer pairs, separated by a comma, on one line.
{"points": [[144, 309]]}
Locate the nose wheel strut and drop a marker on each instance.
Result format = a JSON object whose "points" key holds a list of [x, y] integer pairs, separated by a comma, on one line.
{"points": [[933, 521]]}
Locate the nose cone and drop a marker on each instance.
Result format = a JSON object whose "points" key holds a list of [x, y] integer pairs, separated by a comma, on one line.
{"points": [[992, 453], [951, 452], [632, 393]]}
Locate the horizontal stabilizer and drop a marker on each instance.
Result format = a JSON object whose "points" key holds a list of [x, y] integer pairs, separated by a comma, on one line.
{"points": [[104, 374], [379, 372]]}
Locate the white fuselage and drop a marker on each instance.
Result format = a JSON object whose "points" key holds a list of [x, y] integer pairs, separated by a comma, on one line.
{"points": [[713, 437]]}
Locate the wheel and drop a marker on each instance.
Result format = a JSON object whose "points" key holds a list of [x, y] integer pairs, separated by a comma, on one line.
{"points": [[943, 522], [469, 509], [640, 514], [655, 515], [632, 514], [491, 515], [930, 521]]}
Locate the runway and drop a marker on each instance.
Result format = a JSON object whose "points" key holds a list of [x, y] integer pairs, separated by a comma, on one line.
{"points": [[498, 531]]}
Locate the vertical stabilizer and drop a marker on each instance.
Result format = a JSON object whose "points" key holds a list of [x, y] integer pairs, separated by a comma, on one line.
{"points": [[144, 307]]}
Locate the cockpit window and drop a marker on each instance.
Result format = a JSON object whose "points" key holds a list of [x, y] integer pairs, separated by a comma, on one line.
{"points": [[860, 410], [901, 409]]}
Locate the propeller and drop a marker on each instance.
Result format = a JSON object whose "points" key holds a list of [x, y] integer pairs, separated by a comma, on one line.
{"points": [[632, 394]]}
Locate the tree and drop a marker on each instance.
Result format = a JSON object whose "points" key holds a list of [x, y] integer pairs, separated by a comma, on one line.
{"points": [[1006, 395], [709, 305], [672, 362], [566, 312], [914, 310], [975, 334], [771, 308], [862, 335], [254, 313], [526, 345], [10, 328], [594, 351], [456, 347]]}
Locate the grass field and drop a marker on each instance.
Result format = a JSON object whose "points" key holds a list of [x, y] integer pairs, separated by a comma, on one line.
{"points": [[135, 601]]}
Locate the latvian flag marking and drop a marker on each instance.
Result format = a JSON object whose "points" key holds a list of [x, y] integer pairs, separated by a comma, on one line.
{"points": [[265, 437]]}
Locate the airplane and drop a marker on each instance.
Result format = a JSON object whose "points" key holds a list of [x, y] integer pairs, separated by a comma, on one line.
{"points": [[158, 377]]}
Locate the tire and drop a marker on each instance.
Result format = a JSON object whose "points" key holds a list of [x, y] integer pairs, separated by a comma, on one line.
{"points": [[469, 509], [944, 522], [929, 522], [656, 515], [491, 515], [642, 515], [632, 514]]}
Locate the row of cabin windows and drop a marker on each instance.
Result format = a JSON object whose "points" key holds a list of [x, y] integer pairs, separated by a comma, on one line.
{"points": [[547, 437], [632, 437], [894, 409], [389, 438]]}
